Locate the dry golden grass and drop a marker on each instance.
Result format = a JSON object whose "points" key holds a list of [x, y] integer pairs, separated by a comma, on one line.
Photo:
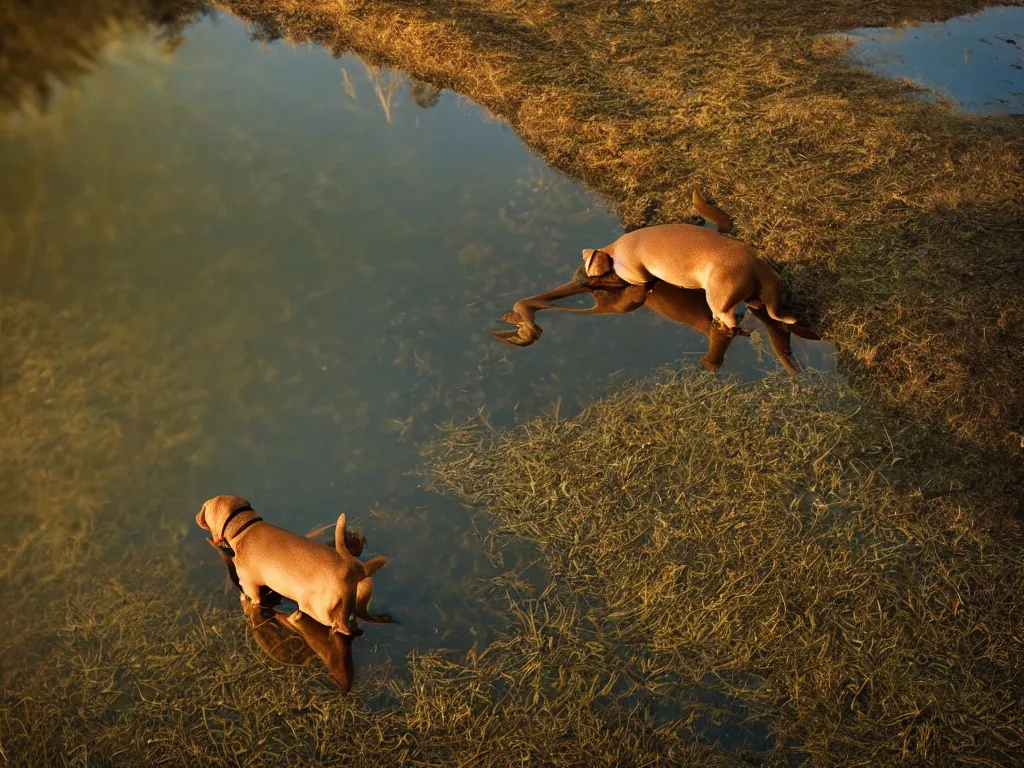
{"points": [[898, 222], [771, 544]]}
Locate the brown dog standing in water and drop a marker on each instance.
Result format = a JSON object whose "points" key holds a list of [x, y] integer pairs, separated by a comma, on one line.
{"points": [[295, 639], [326, 583], [690, 256]]}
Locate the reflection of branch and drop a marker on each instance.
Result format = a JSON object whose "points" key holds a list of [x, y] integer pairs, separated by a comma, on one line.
{"points": [[384, 92], [350, 89], [386, 84]]}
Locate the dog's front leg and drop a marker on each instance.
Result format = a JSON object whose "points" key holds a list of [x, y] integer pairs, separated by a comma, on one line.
{"points": [[249, 587], [780, 338], [719, 339]]}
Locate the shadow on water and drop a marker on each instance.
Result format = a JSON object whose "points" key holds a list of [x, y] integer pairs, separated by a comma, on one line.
{"points": [[977, 60]]}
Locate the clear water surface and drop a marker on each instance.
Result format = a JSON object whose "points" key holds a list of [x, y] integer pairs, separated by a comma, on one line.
{"points": [[977, 60]]}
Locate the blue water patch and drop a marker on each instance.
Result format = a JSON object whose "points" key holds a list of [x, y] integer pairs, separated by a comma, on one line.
{"points": [[977, 60]]}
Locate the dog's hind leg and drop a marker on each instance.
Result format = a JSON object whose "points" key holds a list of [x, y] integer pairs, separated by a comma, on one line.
{"points": [[342, 617], [768, 292], [723, 306], [779, 338], [364, 594]]}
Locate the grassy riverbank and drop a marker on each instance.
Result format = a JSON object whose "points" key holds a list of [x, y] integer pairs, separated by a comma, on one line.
{"points": [[898, 222], [802, 571]]}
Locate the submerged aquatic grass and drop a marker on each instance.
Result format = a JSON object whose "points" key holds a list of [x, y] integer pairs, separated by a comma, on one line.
{"points": [[114, 654], [770, 543], [763, 564]]}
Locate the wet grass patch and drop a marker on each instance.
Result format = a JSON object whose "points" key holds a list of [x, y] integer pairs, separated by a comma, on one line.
{"points": [[772, 544], [115, 655], [142, 669], [774, 566]]}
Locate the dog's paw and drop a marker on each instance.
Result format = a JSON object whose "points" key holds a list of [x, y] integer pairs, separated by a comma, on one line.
{"points": [[523, 336], [719, 327]]}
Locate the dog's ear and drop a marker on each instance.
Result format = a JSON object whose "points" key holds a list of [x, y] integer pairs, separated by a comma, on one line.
{"points": [[201, 518], [596, 262]]}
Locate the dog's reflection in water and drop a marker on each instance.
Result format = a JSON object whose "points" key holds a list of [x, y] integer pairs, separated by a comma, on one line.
{"points": [[295, 639], [688, 306]]}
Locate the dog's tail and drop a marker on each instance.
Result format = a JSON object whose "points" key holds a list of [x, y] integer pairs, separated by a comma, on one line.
{"points": [[339, 534], [716, 216], [769, 285]]}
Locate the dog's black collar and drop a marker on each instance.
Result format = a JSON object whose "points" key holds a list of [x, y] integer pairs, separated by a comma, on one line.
{"points": [[246, 524], [223, 544], [243, 508]]}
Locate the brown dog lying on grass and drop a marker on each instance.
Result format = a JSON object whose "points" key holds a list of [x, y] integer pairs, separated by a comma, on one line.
{"points": [[295, 639], [330, 585], [690, 256], [612, 295]]}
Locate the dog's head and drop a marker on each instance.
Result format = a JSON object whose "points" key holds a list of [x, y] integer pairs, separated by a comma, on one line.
{"points": [[596, 263], [355, 541], [217, 510]]}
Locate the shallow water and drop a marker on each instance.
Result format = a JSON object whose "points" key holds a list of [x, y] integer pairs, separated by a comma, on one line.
{"points": [[977, 60], [314, 262]]}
